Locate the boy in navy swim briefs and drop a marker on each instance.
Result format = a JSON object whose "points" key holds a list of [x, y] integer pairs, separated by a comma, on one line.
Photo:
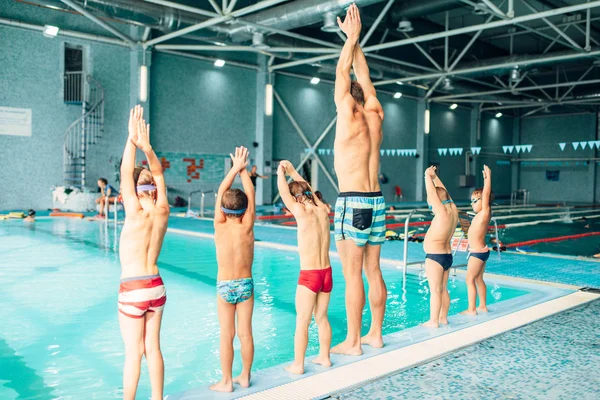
{"points": [[481, 200], [315, 281], [437, 247], [234, 240]]}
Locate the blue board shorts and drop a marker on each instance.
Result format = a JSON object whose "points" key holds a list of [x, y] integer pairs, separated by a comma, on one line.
{"points": [[360, 217]]}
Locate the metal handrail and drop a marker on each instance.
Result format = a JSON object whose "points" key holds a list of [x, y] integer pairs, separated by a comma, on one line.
{"points": [[202, 197], [406, 225]]}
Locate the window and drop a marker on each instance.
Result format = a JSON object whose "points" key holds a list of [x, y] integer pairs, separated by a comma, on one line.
{"points": [[73, 80]]}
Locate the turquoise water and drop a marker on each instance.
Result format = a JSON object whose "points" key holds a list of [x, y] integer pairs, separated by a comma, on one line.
{"points": [[59, 281]]}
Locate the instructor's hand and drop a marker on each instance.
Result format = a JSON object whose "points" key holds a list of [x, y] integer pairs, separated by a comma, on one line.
{"points": [[352, 24]]}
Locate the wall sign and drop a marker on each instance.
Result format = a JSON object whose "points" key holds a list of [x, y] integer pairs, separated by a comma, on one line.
{"points": [[15, 121]]}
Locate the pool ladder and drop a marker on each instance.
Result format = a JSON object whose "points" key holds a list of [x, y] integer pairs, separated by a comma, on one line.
{"points": [[202, 201]]}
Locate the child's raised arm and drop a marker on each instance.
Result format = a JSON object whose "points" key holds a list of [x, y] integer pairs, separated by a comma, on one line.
{"points": [[250, 215], [487, 189], [432, 197], [130, 199]]}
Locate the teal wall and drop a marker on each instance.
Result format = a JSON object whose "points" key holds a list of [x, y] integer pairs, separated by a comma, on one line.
{"points": [[495, 133]]}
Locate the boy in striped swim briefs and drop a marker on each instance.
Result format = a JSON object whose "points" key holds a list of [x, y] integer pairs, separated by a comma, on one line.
{"points": [[438, 260], [315, 281], [142, 294], [235, 212], [481, 200]]}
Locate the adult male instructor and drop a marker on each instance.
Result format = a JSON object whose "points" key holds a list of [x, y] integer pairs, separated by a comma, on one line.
{"points": [[360, 207]]}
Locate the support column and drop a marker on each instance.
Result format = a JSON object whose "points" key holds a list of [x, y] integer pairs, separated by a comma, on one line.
{"points": [[422, 150], [263, 154], [516, 167], [474, 137]]}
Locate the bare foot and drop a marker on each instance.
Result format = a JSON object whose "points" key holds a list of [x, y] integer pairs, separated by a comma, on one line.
{"points": [[222, 386], [469, 312], [295, 369], [324, 361], [482, 309], [242, 380], [430, 324], [347, 349], [372, 340], [443, 321]]}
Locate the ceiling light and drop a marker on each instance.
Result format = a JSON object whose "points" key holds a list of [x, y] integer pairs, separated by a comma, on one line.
{"points": [[405, 25], [258, 41], [498, 115], [515, 75], [220, 44], [269, 99], [330, 23], [50, 31], [448, 84], [219, 63], [315, 80], [143, 83], [427, 121], [453, 106], [400, 83], [397, 95]]}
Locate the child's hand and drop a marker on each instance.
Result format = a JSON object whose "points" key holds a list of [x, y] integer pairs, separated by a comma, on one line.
{"points": [[240, 159], [487, 173], [430, 172], [142, 141], [288, 168], [281, 169], [135, 116]]}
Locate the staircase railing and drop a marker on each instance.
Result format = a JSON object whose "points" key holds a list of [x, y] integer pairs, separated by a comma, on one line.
{"points": [[84, 131]]}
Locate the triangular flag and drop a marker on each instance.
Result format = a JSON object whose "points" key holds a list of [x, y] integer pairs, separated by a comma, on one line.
{"points": [[591, 144], [510, 149], [597, 143], [451, 151], [444, 151], [475, 150], [382, 151], [440, 152], [460, 151], [583, 144], [393, 152], [518, 148], [505, 149], [562, 146], [403, 152], [414, 152], [529, 146], [328, 151], [575, 145]]}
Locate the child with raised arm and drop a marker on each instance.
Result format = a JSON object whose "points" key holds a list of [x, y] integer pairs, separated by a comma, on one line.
{"points": [[234, 240], [479, 252], [142, 294], [437, 247], [315, 281]]}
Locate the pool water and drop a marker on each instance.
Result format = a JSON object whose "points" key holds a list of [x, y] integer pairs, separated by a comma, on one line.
{"points": [[59, 281]]}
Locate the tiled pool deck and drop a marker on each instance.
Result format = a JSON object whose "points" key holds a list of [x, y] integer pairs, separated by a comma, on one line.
{"points": [[555, 358]]}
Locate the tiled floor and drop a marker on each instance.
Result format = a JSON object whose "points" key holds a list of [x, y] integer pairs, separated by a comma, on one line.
{"points": [[556, 358]]}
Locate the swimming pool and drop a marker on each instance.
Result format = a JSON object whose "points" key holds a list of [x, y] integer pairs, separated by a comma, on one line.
{"points": [[60, 279]]}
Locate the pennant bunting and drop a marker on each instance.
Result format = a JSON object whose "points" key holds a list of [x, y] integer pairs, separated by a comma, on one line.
{"points": [[575, 145], [328, 151], [388, 152], [393, 152], [562, 146], [583, 145]]}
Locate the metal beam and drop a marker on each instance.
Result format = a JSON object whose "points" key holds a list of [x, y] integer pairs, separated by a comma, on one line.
{"points": [[435, 85], [376, 23], [250, 49], [522, 89], [508, 64], [578, 80], [231, 6], [527, 114], [587, 29], [541, 90], [550, 24], [215, 21], [446, 39], [179, 6], [454, 32], [208, 59], [215, 6], [587, 37], [98, 21], [425, 53], [63, 32], [555, 40], [468, 46], [495, 9]]}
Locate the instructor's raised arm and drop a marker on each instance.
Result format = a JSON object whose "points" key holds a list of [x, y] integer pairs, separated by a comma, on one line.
{"points": [[351, 27]]}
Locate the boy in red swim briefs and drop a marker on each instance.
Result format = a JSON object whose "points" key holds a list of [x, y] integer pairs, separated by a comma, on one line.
{"points": [[315, 281]]}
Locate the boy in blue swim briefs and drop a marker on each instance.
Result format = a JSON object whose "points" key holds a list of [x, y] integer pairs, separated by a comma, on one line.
{"points": [[481, 200], [437, 247], [234, 240]]}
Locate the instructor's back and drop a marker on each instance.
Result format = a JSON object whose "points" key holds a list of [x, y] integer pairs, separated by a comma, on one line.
{"points": [[360, 207]]}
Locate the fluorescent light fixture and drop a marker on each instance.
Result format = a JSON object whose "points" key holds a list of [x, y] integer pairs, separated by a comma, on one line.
{"points": [[427, 116], [454, 106], [400, 83], [50, 31], [315, 80], [220, 44], [498, 115], [397, 95], [143, 83], [269, 99], [219, 63]]}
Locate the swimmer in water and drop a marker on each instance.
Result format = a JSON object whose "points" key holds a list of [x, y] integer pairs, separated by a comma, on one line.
{"points": [[315, 281], [235, 212], [437, 247], [481, 201], [30, 216], [142, 294]]}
